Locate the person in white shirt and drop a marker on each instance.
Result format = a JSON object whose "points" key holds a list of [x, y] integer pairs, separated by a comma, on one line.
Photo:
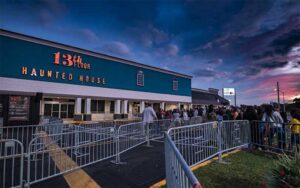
{"points": [[148, 117], [185, 115], [195, 114], [149, 114]]}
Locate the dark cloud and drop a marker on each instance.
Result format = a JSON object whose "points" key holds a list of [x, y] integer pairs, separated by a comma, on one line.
{"points": [[284, 43], [271, 65], [204, 73]]}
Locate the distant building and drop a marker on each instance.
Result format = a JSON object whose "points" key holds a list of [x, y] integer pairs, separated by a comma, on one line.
{"points": [[207, 97]]}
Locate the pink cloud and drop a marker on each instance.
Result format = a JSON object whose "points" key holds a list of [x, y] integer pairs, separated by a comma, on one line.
{"points": [[265, 90]]}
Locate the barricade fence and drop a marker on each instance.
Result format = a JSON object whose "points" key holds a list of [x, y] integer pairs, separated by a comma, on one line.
{"points": [[132, 135], [178, 173], [276, 137], [25, 134], [55, 148], [234, 134], [11, 163], [52, 155], [198, 143]]}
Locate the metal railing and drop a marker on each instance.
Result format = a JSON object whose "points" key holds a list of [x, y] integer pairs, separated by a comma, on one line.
{"points": [[11, 163], [198, 143], [129, 136], [26, 133], [74, 150], [132, 135], [56, 148], [178, 173], [276, 137]]}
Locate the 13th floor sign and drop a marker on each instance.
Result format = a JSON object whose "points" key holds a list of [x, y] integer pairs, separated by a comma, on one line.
{"points": [[68, 61]]}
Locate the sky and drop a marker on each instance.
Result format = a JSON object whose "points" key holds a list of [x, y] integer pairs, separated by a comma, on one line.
{"points": [[245, 44]]}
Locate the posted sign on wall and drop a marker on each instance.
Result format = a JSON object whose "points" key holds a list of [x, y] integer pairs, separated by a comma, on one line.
{"points": [[228, 91]]}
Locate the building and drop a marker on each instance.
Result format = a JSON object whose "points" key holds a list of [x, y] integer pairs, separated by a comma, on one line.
{"points": [[40, 78], [207, 97]]}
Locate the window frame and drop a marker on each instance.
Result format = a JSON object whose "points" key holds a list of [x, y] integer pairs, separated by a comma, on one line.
{"points": [[98, 102], [175, 85], [140, 73]]}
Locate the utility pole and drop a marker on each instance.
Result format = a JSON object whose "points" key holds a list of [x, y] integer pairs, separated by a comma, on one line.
{"points": [[278, 98], [283, 102]]}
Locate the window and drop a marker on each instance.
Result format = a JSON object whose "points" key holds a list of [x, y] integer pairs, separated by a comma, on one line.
{"points": [[97, 106], [175, 85], [112, 107], [140, 78]]}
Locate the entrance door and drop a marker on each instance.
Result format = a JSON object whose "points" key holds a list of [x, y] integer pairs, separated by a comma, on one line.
{"points": [[63, 110]]}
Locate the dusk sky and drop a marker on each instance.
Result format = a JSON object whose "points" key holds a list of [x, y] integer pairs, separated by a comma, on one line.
{"points": [[249, 45]]}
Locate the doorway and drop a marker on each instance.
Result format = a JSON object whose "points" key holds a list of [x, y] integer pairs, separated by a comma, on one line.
{"points": [[62, 110]]}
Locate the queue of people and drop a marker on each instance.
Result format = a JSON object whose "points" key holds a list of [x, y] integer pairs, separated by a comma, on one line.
{"points": [[267, 121]]}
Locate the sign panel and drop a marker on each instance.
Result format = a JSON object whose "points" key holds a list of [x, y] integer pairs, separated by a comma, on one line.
{"points": [[228, 91]]}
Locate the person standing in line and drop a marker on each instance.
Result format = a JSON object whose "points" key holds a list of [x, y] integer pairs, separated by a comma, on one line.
{"points": [[283, 131], [235, 114], [185, 117], [195, 114], [176, 115], [149, 116], [251, 116], [211, 115], [295, 128], [220, 115], [273, 125]]}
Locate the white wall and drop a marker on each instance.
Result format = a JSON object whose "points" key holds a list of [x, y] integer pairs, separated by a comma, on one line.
{"points": [[50, 88]]}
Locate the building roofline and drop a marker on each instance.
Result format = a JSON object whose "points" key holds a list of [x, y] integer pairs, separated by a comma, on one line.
{"points": [[201, 90], [36, 40]]}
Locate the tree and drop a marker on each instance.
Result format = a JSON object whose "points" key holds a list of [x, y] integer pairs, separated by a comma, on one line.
{"points": [[296, 100]]}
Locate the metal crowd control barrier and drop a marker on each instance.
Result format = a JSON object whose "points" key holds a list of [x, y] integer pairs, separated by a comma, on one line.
{"points": [[55, 148], [234, 134], [11, 163], [28, 132], [198, 143], [158, 128], [277, 137], [98, 125], [132, 135], [129, 136], [54, 158], [178, 173]]}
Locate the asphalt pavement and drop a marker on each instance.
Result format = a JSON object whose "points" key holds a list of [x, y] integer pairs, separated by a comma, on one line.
{"points": [[144, 166]]}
